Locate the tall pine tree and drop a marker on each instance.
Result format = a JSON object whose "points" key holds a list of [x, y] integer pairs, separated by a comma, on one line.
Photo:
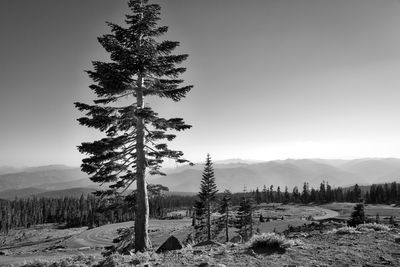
{"points": [[224, 210], [135, 143], [208, 191]]}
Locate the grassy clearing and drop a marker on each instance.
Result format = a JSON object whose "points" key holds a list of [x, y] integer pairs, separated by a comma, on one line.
{"points": [[345, 209]]}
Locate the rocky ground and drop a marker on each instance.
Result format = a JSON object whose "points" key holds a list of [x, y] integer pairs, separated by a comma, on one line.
{"points": [[309, 248], [366, 249], [313, 244]]}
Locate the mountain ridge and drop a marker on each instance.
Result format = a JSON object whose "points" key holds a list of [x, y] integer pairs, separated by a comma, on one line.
{"points": [[234, 175]]}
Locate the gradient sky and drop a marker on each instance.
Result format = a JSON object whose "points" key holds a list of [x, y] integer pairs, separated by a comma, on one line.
{"points": [[274, 79]]}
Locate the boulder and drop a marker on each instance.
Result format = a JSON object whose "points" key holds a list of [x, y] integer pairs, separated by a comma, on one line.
{"points": [[172, 243], [4, 252], [397, 239], [236, 239]]}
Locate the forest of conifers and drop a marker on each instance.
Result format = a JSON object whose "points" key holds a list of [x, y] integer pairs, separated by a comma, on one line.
{"points": [[91, 211]]}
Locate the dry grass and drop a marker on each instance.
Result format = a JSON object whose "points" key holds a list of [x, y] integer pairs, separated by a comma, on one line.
{"points": [[361, 228], [344, 231], [372, 226], [77, 261]]}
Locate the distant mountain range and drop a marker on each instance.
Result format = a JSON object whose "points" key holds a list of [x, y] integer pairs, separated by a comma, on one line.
{"points": [[25, 182], [60, 180], [290, 172]]}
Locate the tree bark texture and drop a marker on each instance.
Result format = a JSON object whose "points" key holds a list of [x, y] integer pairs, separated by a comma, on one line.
{"points": [[142, 241]]}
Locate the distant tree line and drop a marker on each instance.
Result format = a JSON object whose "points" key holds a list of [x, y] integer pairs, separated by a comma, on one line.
{"points": [[72, 212], [87, 210], [376, 194], [387, 193], [92, 211], [383, 193]]}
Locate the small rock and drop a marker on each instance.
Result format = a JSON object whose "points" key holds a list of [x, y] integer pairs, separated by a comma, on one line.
{"points": [[4, 252], [251, 253], [84, 248], [384, 259], [236, 239], [135, 262]]}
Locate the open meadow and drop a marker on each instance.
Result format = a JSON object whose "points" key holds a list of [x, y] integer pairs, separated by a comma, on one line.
{"points": [[371, 210]]}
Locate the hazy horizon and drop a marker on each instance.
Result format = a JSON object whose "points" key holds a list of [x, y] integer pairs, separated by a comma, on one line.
{"points": [[215, 161], [273, 79]]}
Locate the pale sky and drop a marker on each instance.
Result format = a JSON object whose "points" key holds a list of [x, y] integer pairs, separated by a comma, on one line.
{"points": [[274, 79]]}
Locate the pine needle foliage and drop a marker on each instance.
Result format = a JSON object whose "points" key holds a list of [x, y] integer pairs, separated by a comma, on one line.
{"points": [[208, 187], [358, 215], [207, 196], [135, 143]]}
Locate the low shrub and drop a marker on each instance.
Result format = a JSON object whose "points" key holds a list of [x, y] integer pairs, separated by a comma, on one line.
{"points": [[372, 226], [269, 241], [361, 228]]}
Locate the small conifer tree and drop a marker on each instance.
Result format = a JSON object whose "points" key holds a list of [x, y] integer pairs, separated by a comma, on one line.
{"points": [[258, 196], [224, 210], [358, 215], [245, 218], [377, 218], [207, 194]]}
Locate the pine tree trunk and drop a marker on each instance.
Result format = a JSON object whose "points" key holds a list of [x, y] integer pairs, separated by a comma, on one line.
{"points": [[245, 232], [226, 225], [251, 223], [208, 221], [142, 242]]}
